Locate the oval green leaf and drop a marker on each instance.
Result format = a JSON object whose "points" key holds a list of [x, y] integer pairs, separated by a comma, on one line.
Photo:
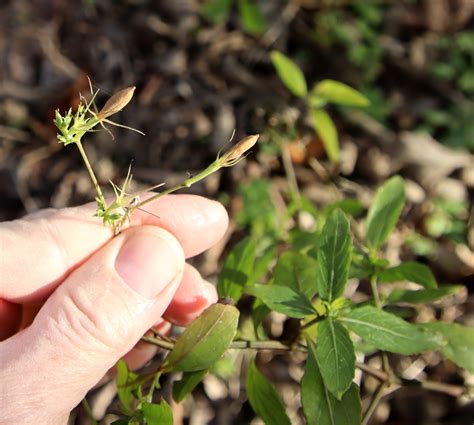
{"points": [[290, 73], [336, 357], [326, 129], [205, 340], [410, 271], [423, 295], [157, 414], [319, 405], [238, 267], [384, 211], [251, 17], [459, 346], [334, 256], [388, 332], [339, 93], [283, 300], [264, 398], [297, 271], [186, 384]]}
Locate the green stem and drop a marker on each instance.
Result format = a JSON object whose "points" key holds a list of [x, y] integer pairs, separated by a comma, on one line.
{"points": [[289, 171], [373, 404], [91, 172], [186, 183], [88, 410], [312, 322]]}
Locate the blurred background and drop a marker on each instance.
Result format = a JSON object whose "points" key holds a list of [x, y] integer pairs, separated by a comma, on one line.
{"points": [[203, 70]]}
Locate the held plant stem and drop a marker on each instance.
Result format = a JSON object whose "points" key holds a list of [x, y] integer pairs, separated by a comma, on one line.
{"points": [[91, 172]]}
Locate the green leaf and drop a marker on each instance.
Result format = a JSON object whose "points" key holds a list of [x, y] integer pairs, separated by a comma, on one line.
{"points": [[252, 19], [410, 271], [264, 399], [459, 346], [388, 332], [298, 272], [334, 256], [238, 267], [205, 340], [282, 299], [125, 391], [336, 357], [290, 74], [186, 384], [216, 11], [157, 414], [384, 211], [423, 295], [326, 129], [339, 93], [319, 405]]}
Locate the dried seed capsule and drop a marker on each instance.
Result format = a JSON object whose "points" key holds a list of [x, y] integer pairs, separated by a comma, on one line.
{"points": [[235, 153], [116, 103]]}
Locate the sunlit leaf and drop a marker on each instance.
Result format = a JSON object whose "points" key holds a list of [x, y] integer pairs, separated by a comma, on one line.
{"points": [[388, 332], [289, 73], [157, 414], [336, 357], [326, 129], [319, 405], [384, 211], [205, 340], [459, 346], [339, 93], [124, 389], [282, 299], [264, 399], [297, 271], [410, 271], [238, 267], [422, 295], [334, 256]]}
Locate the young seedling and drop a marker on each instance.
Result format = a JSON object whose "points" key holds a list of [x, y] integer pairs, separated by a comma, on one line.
{"points": [[72, 128]]}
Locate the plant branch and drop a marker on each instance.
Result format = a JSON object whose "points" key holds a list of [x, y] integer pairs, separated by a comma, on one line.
{"points": [[373, 404]]}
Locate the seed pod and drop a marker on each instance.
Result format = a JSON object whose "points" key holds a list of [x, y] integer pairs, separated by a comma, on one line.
{"points": [[116, 103], [236, 152]]}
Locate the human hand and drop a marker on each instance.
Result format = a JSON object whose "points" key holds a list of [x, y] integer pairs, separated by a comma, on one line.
{"points": [[96, 297]]}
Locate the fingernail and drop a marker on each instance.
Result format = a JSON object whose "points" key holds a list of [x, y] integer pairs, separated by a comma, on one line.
{"points": [[149, 262]]}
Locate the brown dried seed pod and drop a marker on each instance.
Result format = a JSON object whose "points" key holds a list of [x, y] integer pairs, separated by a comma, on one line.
{"points": [[241, 147], [116, 102]]}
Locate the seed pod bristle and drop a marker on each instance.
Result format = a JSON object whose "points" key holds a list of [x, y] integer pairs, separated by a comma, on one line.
{"points": [[116, 102]]}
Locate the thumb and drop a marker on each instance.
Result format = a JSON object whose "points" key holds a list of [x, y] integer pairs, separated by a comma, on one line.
{"points": [[94, 317]]}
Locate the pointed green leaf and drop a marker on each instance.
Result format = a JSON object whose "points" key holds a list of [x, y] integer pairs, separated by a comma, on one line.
{"points": [[157, 414], [327, 131], [423, 295], [251, 17], [216, 11], [339, 93], [410, 271], [283, 300], [238, 267], [319, 405], [384, 211], [336, 357], [186, 384], [264, 399], [124, 390], [459, 346], [334, 256], [205, 340], [298, 272], [290, 73], [388, 332]]}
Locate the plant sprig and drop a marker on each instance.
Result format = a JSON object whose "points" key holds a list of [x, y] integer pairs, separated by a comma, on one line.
{"points": [[74, 126]]}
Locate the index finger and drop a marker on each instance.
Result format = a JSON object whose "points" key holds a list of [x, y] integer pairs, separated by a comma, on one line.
{"points": [[40, 250]]}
